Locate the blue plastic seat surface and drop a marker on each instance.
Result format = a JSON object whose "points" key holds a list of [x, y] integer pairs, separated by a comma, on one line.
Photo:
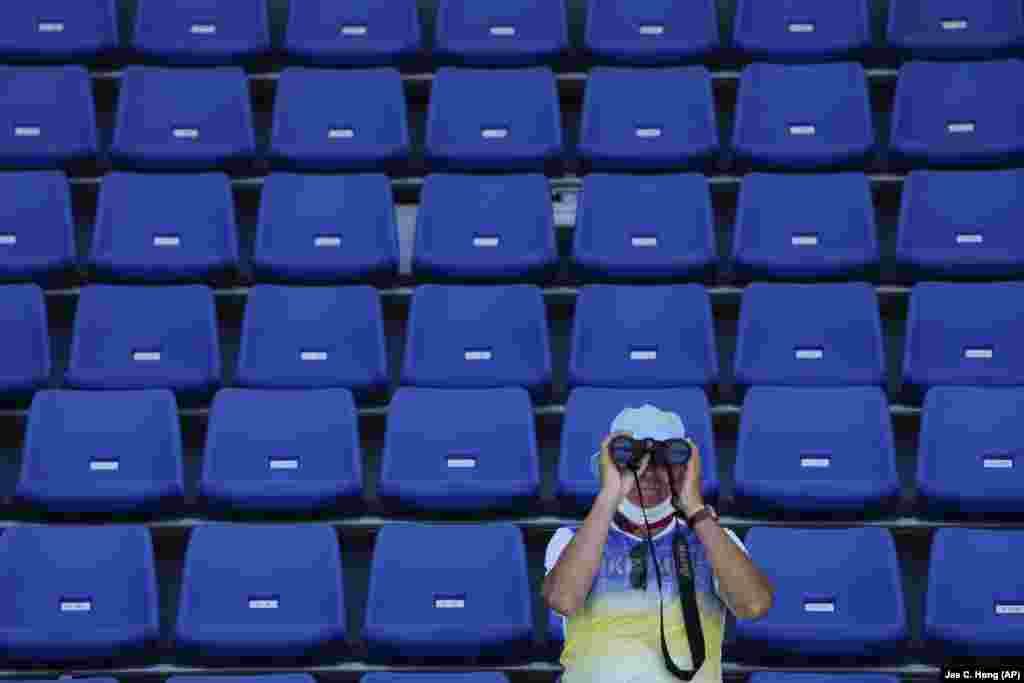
{"points": [[359, 32], [282, 450], [58, 29], [494, 227], [265, 678], [109, 452], [802, 29], [25, 362], [510, 33], [398, 677], [77, 593], [37, 238], [953, 28], [643, 336], [201, 31], [650, 31]]}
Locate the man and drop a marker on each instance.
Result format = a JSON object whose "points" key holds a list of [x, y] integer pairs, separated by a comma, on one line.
{"points": [[601, 579]]}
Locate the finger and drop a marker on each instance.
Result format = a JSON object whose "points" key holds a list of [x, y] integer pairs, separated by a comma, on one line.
{"points": [[643, 466]]}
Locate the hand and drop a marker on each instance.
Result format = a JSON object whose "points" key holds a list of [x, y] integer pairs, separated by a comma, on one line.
{"points": [[617, 482], [687, 482]]}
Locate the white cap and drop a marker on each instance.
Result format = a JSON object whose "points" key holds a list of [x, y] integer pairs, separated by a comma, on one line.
{"points": [[645, 422]]}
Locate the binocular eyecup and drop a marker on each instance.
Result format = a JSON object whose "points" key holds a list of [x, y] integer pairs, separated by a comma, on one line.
{"points": [[628, 452]]}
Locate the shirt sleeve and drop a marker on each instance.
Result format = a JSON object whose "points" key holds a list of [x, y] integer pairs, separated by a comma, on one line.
{"points": [[556, 545], [735, 539]]}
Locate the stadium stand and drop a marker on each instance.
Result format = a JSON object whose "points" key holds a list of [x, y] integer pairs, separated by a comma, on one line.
{"points": [[951, 29], [282, 451], [25, 362], [58, 29], [472, 677], [201, 31], [485, 227], [77, 594], [510, 33], [102, 452], [650, 31], [266, 678], [802, 30], [360, 32], [37, 238]]}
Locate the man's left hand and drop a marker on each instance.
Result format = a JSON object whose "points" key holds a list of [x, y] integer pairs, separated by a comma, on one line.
{"points": [[688, 484]]}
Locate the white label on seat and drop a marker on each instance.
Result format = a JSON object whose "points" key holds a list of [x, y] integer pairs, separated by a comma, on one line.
{"points": [[354, 30], [51, 27], [644, 241], [461, 462], [166, 241], [146, 356], [27, 131], [954, 24], [106, 465], [1010, 608], [803, 129], [970, 238], [494, 133], [652, 29], [449, 602], [186, 133], [801, 27], [327, 241], [313, 355], [817, 461], [804, 240], [264, 603], [486, 241], [203, 29], [643, 354], [809, 354], [284, 463], [75, 605], [341, 134], [978, 353], [648, 133], [478, 354], [8, 240], [960, 127], [503, 31], [997, 462], [820, 606]]}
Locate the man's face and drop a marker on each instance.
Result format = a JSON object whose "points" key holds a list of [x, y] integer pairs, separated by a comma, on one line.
{"points": [[654, 485]]}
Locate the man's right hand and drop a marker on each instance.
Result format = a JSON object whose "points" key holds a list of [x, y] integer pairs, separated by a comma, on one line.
{"points": [[615, 482]]}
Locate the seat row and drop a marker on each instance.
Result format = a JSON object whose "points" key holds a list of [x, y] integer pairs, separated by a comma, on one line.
{"points": [[314, 228], [129, 337], [791, 117], [800, 450], [441, 592], [513, 32]]}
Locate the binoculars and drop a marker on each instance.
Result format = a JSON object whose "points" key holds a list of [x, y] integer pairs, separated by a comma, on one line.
{"points": [[629, 452]]}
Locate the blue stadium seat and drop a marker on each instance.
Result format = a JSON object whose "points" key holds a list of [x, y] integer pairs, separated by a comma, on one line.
{"points": [[650, 31], [164, 228], [588, 415], [102, 451], [25, 362], [471, 601], [962, 224], [493, 227], [334, 120], [954, 28], [969, 451], [360, 32], [37, 237], [805, 226], [313, 337], [510, 33], [326, 228], [417, 677], [816, 450], [239, 601], [77, 593], [201, 31], [477, 337], [803, 116], [282, 450], [459, 449], [648, 119], [46, 117], [974, 603], [183, 119], [965, 334], [802, 335], [145, 338], [265, 678], [643, 336], [481, 119], [838, 593], [958, 114], [69, 30], [802, 29], [627, 227]]}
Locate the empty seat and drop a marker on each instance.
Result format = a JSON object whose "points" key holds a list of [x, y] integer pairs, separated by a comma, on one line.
{"points": [[459, 449], [46, 116], [326, 228], [816, 450], [477, 337], [821, 334], [962, 223], [513, 32], [803, 116], [25, 362], [481, 119], [201, 31], [77, 593], [958, 114], [339, 120], [588, 415], [954, 28], [965, 334], [265, 678], [805, 226], [282, 450], [361, 32], [313, 337], [969, 457], [186, 119], [108, 451], [59, 29], [37, 230], [494, 227], [145, 338], [239, 601], [648, 119], [474, 677], [974, 599], [164, 228], [802, 29], [472, 600], [643, 336], [838, 592], [650, 31], [644, 227]]}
